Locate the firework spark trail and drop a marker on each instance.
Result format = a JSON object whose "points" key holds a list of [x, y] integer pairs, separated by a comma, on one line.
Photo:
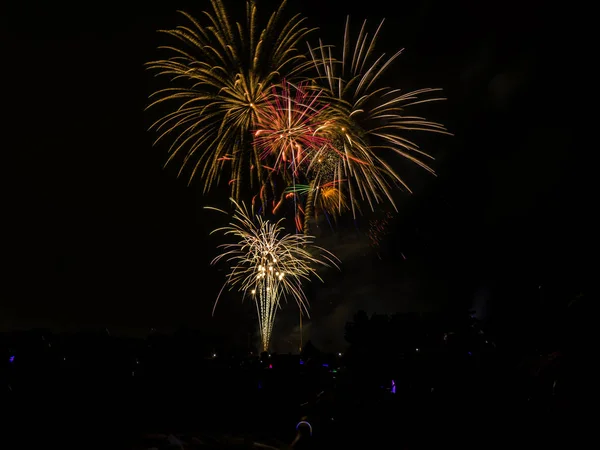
{"points": [[268, 264]]}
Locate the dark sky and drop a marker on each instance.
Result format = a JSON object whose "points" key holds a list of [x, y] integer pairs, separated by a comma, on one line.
{"points": [[98, 234]]}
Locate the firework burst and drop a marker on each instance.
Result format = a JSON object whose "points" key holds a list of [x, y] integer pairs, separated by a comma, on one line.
{"points": [[367, 120], [221, 76], [269, 264], [288, 127], [331, 199]]}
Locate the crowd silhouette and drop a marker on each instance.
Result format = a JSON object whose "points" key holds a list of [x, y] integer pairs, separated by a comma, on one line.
{"points": [[418, 380]]}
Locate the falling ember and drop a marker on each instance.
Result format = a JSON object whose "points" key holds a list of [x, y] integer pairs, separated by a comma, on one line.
{"points": [[379, 229]]}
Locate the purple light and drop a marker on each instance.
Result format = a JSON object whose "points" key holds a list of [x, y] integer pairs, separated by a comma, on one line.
{"points": [[270, 366], [11, 359], [325, 365], [301, 362], [393, 387]]}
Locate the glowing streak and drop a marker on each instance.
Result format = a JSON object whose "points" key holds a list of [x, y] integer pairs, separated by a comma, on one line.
{"points": [[304, 422], [299, 224], [277, 206]]}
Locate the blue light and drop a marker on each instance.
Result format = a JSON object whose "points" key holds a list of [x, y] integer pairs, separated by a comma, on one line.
{"points": [[11, 359], [305, 423]]}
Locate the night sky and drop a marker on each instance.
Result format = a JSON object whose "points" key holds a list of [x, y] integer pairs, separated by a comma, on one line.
{"points": [[98, 234]]}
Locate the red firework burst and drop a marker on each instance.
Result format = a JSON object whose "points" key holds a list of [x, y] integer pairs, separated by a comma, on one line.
{"points": [[287, 126]]}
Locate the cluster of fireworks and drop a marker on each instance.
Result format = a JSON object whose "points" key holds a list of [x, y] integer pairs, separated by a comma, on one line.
{"points": [[308, 127]]}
